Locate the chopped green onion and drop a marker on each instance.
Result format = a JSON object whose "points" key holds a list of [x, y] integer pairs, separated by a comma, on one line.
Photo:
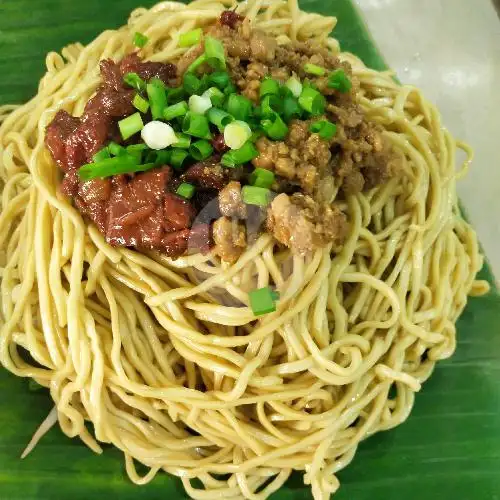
{"points": [[158, 135], [201, 150], [215, 95], [116, 149], [239, 106], [101, 155], [236, 157], [196, 63], [214, 52], [256, 134], [262, 300], [269, 86], [175, 95], [190, 38], [270, 105], [130, 125], [325, 129], [199, 104], [140, 40], [196, 125], [253, 195], [140, 103], [236, 134], [230, 89], [135, 81], [274, 127], [291, 108], [186, 190], [191, 83], [294, 85], [177, 158], [124, 164], [160, 157], [136, 151], [285, 92], [219, 118], [261, 177], [220, 79], [338, 80], [183, 141], [312, 101], [157, 98], [176, 110], [314, 69]]}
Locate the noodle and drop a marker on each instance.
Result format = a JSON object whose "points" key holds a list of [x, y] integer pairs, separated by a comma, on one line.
{"points": [[155, 352]]}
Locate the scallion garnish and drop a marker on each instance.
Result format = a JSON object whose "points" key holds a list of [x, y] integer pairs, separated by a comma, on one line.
{"points": [[230, 89], [291, 108], [314, 69], [236, 134], [274, 127], [158, 135], [270, 105], [219, 118], [176, 110], [325, 129], [161, 157], [215, 95], [178, 157], [196, 125], [201, 150], [214, 52], [136, 150], [196, 64], [186, 190], [175, 95], [261, 177], [112, 166], [191, 83], [236, 157], [130, 125], [115, 149], [101, 155], [294, 85], [140, 40], [269, 86], [157, 98], [200, 104], [190, 38], [262, 300], [253, 195], [338, 80], [140, 103], [220, 79], [312, 101], [135, 81], [183, 141], [239, 106]]}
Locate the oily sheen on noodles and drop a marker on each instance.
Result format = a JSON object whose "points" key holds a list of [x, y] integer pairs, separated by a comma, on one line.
{"points": [[116, 335]]}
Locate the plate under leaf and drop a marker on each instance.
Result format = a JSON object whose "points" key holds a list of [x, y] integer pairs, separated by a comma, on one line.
{"points": [[448, 449]]}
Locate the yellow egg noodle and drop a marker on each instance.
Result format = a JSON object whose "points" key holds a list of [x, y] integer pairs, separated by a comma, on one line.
{"points": [[115, 334]]}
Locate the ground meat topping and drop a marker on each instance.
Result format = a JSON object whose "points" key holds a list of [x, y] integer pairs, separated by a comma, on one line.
{"points": [[143, 210], [230, 202], [230, 239], [300, 223]]}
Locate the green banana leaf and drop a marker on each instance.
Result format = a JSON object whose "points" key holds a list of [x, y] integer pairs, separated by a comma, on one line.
{"points": [[448, 449]]}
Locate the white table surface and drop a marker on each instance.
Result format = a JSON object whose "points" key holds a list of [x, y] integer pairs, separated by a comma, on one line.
{"points": [[451, 50]]}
